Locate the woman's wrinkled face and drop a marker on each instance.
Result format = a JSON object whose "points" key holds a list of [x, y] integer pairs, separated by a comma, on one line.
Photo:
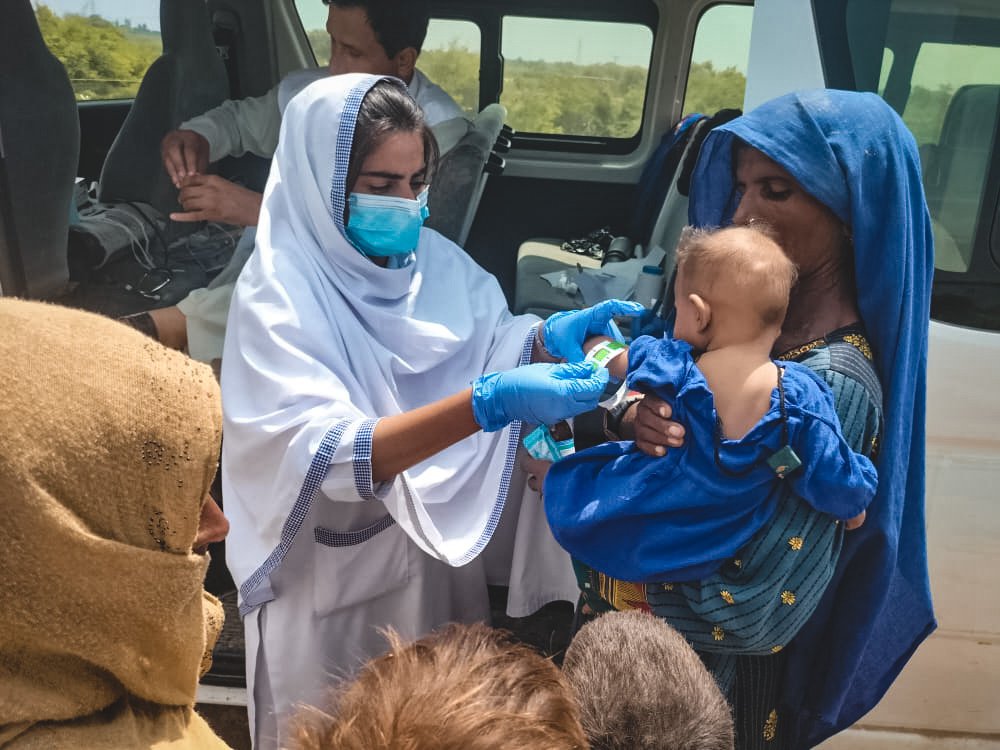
{"points": [[809, 232]]}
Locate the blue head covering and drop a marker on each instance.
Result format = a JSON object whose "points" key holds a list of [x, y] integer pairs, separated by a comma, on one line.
{"points": [[852, 152]]}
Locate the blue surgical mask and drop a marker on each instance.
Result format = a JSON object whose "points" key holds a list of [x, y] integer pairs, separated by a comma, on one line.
{"points": [[381, 225]]}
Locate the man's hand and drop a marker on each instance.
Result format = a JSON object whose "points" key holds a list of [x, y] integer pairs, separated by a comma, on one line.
{"points": [[213, 198], [184, 153], [654, 431]]}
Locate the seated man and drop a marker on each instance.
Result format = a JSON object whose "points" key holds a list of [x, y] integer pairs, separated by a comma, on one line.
{"points": [[366, 36]]}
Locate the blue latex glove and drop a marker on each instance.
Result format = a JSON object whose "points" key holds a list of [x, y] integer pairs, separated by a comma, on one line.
{"points": [[565, 332], [539, 394]]}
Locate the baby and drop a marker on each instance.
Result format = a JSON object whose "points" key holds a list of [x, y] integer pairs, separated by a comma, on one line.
{"points": [[755, 428]]}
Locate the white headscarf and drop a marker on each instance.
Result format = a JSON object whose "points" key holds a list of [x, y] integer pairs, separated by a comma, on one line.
{"points": [[321, 340]]}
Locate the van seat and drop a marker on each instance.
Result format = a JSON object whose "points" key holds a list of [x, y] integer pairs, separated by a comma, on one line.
{"points": [[667, 174], [467, 154]]}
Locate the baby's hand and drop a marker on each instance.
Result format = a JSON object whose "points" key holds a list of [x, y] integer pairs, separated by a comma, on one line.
{"points": [[853, 523], [536, 469]]}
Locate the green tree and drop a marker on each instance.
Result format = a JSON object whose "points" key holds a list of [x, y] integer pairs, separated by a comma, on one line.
{"points": [[709, 90], [103, 60], [455, 69]]}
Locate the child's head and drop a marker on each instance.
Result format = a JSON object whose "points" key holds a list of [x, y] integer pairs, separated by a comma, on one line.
{"points": [[466, 687], [733, 282], [641, 686]]}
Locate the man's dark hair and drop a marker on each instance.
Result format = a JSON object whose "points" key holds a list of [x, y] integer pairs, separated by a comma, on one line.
{"points": [[397, 24]]}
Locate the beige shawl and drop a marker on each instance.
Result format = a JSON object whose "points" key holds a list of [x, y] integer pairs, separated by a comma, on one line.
{"points": [[108, 444]]}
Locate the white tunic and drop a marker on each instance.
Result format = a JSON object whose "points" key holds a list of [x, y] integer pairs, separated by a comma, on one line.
{"points": [[321, 343]]}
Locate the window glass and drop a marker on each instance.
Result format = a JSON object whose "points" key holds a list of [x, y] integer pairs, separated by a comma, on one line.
{"points": [[450, 58], [106, 47], [944, 61], [718, 74], [952, 111], [569, 77]]}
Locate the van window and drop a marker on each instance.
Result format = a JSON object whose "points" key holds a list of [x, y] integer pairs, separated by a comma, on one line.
{"points": [[718, 74], [938, 65], [952, 111], [450, 58], [575, 78], [105, 56], [312, 14]]}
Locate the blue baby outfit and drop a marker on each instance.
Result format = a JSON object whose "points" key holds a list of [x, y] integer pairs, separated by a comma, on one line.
{"points": [[680, 516]]}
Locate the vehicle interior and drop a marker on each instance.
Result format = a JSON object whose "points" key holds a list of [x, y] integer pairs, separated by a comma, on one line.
{"points": [[580, 103]]}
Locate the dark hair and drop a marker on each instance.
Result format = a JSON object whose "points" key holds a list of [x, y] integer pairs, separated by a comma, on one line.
{"points": [[397, 24], [387, 108], [464, 687], [641, 686]]}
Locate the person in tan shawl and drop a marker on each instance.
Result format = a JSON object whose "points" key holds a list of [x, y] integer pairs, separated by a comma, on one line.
{"points": [[109, 444]]}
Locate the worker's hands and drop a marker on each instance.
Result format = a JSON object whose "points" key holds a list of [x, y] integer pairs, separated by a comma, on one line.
{"points": [[209, 197], [564, 332], [184, 153], [539, 394]]}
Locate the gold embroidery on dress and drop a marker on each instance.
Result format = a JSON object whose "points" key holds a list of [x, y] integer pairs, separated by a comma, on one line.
{"points": [[860, 343], [787, 597], [776, 649], [738, 562], [718, 633], [621, 594], [771, 726], [668, 587], [727, 597], [800, 350], [795, 543]]}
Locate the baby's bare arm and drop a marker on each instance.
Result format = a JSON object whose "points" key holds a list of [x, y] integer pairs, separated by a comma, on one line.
{"points": [[618, 366]]}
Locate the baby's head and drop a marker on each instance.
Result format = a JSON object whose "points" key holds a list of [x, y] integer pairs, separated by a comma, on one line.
{"points": [[732, 285]]}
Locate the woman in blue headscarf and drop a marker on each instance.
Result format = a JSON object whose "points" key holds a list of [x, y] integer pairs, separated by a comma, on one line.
{"points": [[808, 626]]}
